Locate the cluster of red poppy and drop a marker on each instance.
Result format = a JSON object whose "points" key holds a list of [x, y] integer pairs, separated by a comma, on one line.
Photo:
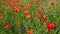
{"points": [[51, 26], [26, 12]]}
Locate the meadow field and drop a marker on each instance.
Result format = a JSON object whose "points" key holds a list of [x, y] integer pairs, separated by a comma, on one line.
{"points": [[29, 16]]}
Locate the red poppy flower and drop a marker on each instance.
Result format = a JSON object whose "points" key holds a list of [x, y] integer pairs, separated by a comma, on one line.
{"points": [[17, 21], [28, 16], [30, 31], [8, 26], [27, 6], [53, 2], [0, 11], [8, 4], [55, 24], [49, 26], [16, 9], [36, 1], [39, 15], [45, 18], [42, 9], [26, 12]]}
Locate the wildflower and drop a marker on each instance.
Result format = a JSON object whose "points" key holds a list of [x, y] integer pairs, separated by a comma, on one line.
{"points": [[30, 31], [39, 15], [8, 26], [44, 17], [1, 11], [8, 4], [55, 24], [36, 1], [28, 16], [17, 21], [53, 2], [16, 9], [49, 26], [42, 9], [27, 6], [26, 12]]}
